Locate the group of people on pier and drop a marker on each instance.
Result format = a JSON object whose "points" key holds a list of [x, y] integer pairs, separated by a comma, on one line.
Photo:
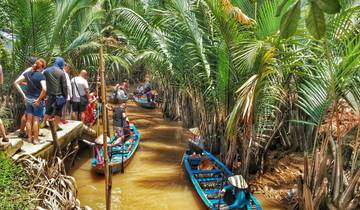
{"points": [[50, 95]]}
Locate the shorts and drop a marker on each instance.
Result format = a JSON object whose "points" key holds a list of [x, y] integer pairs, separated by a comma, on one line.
{"points": [[30, 108], [77, 107], [51, 108]]}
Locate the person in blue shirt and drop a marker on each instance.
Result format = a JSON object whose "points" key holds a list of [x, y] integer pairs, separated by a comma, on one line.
{"points": [[34, 98], [239, 189]]}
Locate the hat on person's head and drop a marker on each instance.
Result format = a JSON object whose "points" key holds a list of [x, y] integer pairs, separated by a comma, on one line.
{"points": [[238, 181], [31, 61], [59, 62], [100, 139]]}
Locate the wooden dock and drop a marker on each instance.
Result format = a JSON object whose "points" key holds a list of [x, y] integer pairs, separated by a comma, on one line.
{"points": [[72, 131]]}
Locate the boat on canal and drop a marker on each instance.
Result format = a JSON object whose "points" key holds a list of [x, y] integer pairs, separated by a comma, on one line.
{"points": [[119, 156], [143, 102], [215, 183]]}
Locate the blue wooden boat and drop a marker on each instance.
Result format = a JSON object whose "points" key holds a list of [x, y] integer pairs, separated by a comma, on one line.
{"points": [[209, 183], [119, 156], [143, 102]]}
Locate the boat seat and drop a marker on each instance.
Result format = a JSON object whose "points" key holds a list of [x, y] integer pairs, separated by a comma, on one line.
{"points": [[210, 179], [212, 191], [206, 171]]}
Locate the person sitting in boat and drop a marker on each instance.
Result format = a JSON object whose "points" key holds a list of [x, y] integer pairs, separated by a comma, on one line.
{"points": [[119, 137], [236, 194], [120, 94], [139, 90], [148, 91]]}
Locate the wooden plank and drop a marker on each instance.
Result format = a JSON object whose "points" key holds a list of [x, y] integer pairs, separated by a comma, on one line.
{"points": [[71, 131]]}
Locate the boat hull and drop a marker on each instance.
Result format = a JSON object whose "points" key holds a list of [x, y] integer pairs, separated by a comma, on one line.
{"points": [[118, 162], [209, 183], [144, 103]]}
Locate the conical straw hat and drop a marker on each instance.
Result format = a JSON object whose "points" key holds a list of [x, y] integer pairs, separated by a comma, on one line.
{"points": [[195, 131], [238, 181], [100, 140]]}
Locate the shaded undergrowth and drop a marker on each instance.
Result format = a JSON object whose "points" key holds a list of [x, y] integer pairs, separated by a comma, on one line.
{"points": [[14, 186]]}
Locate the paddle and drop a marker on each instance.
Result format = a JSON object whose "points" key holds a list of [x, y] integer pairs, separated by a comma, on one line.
{"points": [[182, 158], [122, 162], [122, 158]]}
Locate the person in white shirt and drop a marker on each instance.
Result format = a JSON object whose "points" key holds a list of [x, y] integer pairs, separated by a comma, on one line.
{"points": [[80, 97], [66, 109]]}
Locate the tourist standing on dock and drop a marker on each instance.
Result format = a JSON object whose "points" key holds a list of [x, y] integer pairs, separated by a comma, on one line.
{"points": [[80, 97], [2, 128], [34, 95], [57, 91], [30, 63], [67, 108]]}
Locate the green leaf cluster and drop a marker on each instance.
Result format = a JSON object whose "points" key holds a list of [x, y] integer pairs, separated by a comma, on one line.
{"points": [[314, 18], [14, 186]]}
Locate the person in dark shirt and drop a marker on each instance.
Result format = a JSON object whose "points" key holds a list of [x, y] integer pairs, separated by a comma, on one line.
{"points": [[120, 120], [56, 90], [34, 95]]}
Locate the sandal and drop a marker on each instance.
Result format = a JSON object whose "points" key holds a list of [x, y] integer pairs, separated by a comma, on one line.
{"points": [[43, 125], [5, 139], [23, 135]]}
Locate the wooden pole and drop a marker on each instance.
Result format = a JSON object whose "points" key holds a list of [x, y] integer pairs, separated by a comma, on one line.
{"points": [[105, 125], [55, 138]]}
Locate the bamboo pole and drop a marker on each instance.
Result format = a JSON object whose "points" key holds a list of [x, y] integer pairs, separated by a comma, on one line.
{"points": [[105, 125]]}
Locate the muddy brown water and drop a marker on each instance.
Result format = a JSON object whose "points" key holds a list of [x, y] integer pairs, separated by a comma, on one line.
{"points": [[154, 179]]}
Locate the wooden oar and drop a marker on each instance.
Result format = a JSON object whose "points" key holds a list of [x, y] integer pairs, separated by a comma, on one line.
{"points": [[122, 163], [182, 158]]}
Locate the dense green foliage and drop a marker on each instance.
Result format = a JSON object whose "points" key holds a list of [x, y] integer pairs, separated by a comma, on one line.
{"points": [[249, 73], [14, 186]]}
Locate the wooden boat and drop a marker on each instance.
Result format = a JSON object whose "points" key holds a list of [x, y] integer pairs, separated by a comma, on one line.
{"points": [[209, 183], [143, 102], [119, 156]]}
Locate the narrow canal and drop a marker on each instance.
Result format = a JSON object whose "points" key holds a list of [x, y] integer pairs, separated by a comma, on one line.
{"points": [[154, 179]]}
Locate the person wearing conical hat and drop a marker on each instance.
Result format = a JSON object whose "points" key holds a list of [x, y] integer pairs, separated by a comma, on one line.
{"points": [[237, 188]]}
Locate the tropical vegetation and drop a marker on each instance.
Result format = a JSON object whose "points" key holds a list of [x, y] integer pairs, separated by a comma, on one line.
{"points": [[249, 73]]}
